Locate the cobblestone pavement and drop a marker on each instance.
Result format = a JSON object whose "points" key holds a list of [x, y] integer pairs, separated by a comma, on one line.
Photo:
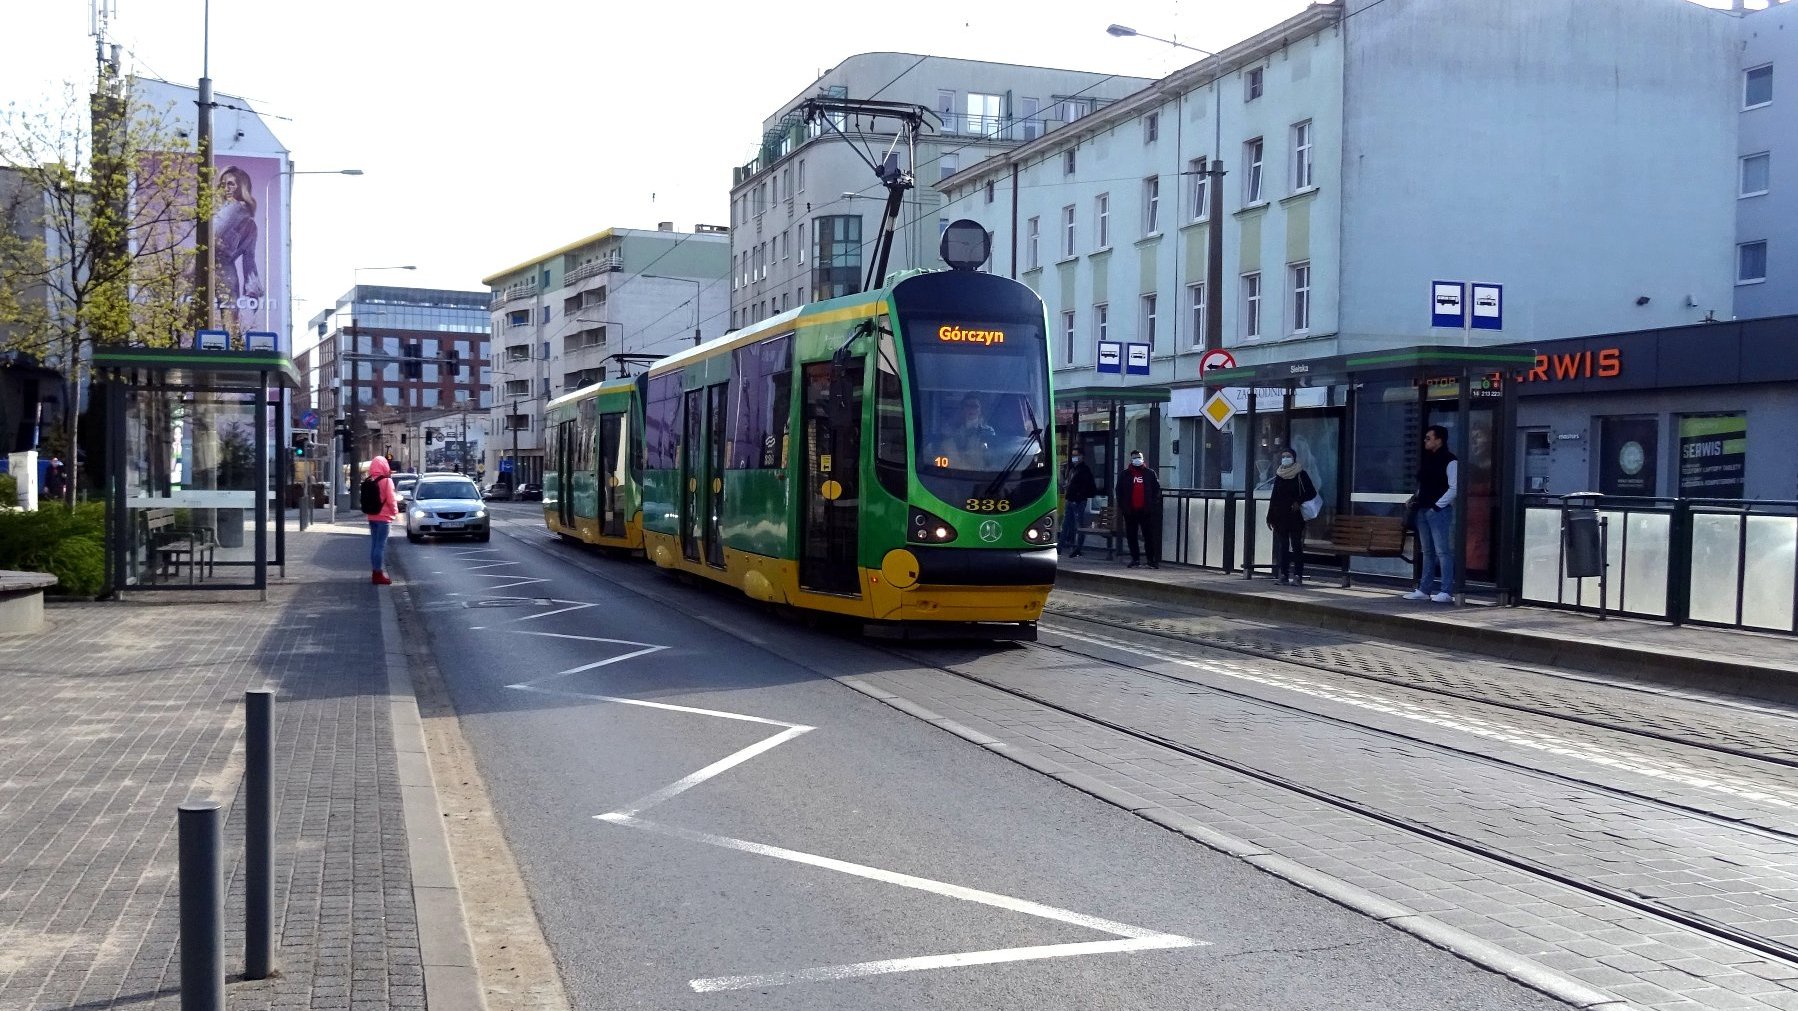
{"points": [[1535, 810], [121, 711]]}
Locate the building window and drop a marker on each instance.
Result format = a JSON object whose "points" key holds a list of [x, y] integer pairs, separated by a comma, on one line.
{"points": [[1148, 318], [1102, 211], [985, 114], [1067, 231], [1067, 162], [1195, 297], [801, 175], [1201, 188], [1252, 82], [991, 186], [1067, 333], [945, 107], [1102, 321], [1755, 174], [1757, 87], [1033, 230], [1074, 108], [1301, 156], [518, 317], [1251, 305], [1151, 128], [1751, 262], [1251, 179], [838, 267], [948, 163], [802, 245], [1300, 276], [1151, 205]]}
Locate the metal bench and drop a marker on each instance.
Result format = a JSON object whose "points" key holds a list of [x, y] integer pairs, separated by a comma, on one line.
{"points": [[175, 545], [1103, 524], [1365, 536]]}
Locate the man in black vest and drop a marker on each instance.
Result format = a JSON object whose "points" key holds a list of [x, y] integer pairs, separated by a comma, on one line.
{"points": [[1438, 479]]}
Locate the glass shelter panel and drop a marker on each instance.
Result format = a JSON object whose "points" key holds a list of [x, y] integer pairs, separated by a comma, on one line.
{"points": [[1767, 590]]}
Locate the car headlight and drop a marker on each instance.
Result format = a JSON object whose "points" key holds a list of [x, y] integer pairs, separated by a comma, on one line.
{"points": [[419, 514], [927, 529], [1043, 530]]}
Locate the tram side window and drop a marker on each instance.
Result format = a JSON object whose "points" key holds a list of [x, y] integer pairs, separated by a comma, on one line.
{"points": [[662, 422], [584, 433], [761, 375], [889, 418]]}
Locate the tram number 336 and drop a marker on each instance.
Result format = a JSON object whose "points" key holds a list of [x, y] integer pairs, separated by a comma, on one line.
{"points": [[989, 505]]}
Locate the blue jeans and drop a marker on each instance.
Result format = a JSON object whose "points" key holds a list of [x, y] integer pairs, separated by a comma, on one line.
{"points": [[1436, 542], [1071, 537], [377, 544]]}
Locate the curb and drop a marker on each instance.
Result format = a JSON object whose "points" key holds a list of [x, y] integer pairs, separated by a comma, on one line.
{"points": [[452, 981], [1453, 940], [1683, 670]]}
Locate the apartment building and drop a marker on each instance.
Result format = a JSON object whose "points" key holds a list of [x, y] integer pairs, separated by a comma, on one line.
{"points": [[1766, 260], [807, 207], [599, 307]]}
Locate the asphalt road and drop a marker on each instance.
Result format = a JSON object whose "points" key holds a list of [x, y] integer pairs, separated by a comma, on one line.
{"points": [[704, 819]]}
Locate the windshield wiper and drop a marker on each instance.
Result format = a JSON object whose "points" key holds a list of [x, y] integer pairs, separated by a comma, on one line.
{"points": [[1032, 439]]}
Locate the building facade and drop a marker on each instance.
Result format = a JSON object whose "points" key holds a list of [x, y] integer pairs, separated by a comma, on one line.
{"points": [[1766, 260], [600, 307], [1370, 152], [807, 208], [400, 353]]}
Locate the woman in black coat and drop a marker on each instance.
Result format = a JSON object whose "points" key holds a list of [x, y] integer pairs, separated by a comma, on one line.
{"points": [[1285, 517]]}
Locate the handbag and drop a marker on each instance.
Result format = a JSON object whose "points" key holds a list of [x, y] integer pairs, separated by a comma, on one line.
{"points": [[1310, 510]]}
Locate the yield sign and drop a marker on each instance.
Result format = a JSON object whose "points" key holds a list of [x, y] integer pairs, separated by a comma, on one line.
{"points": [[1218, 410]]}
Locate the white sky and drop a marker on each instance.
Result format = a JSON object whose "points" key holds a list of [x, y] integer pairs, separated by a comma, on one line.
{"points": [[492, 133]]}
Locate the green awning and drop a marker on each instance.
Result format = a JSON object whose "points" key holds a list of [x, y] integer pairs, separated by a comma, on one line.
{"points": [[1115, 394], [216, 368]]}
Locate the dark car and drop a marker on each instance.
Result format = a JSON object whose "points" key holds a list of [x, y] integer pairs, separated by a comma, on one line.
{"points": [[530, 491], [498, 491]]}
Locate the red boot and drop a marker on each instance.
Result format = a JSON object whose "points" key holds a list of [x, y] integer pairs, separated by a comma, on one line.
{"points": [[381, 579]]}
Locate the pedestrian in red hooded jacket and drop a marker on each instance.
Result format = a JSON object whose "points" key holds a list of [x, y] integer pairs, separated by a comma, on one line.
{"points": [[1138, 497], [377, 494]]}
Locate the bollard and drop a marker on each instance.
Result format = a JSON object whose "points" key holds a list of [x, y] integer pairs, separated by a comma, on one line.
{"points": [[202, 908], [259, 833]]}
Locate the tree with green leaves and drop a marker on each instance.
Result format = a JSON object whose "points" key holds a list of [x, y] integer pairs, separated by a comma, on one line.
{"points": [[100, 198]]}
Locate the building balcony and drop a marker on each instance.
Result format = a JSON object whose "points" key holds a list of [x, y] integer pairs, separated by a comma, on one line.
{"points": [[512, 293], [594, 268]]}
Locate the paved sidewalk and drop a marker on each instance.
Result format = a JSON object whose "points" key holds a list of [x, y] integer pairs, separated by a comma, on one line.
{"points": [[1750, 663], [120, 711]]}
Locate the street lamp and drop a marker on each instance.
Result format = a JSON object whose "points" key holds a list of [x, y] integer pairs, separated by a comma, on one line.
{"points": [[323, 172], [1214, 261], [696, 286]]}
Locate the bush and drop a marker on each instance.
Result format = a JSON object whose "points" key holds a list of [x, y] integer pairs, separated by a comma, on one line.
{"points": [[69, 544], [9, 490]]}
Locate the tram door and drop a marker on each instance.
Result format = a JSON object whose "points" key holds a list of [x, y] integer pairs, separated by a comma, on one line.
{"points": [[830, 515], [566, 442], [714, 477], [611, 516], [692, 446]]}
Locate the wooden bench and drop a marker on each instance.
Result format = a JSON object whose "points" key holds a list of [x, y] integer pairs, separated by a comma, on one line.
{"points": [[1366, 536], [174, 545]]}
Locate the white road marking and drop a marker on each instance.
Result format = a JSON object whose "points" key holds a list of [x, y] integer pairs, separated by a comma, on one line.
{"points": [[488, 565], [477, 628], [1129, 938], [519, 581], [544, 614], [1611, 757]]}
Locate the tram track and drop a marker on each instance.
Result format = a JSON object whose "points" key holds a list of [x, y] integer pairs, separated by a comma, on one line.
{"points": [[1687, 919], [1404, 675], [1697, 923]]}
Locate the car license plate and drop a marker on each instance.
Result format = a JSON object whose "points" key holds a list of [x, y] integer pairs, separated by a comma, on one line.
{"points": [[450, 525]]}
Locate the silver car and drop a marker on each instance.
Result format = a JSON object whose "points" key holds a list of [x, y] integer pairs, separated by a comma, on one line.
{"points": [[446, 505]]}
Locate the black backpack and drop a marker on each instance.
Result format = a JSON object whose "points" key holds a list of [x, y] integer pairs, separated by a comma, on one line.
{"points": [[371, 496]]}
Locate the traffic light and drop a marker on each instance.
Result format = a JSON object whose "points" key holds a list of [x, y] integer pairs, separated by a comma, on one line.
{"points": [[455, 362], [302, 444], [430, 436]]}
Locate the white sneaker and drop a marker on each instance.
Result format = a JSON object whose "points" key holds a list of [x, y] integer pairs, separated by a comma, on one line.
{"points": [[1416, 595], [1444, 598]]}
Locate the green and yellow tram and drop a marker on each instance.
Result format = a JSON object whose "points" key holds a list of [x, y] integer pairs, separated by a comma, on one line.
{"points": [[884, 455]]}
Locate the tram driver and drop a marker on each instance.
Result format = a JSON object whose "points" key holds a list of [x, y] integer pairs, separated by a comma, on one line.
{"points": [[970, 442]]}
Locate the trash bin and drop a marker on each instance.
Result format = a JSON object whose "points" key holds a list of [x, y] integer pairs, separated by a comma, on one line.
{"points": [[1583, 554]]}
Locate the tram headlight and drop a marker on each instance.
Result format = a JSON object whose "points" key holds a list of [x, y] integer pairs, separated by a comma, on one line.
{"points": [[1043, 530], [924, 528]]}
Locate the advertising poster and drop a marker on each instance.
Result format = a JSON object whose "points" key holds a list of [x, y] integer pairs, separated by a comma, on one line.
{"points": [[248, 242], [1713, 455], [1628, 449]]}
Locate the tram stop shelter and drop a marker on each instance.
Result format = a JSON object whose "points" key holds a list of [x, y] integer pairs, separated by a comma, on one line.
{"points": [[1106, 422], [1356, 423], [194, 465]]}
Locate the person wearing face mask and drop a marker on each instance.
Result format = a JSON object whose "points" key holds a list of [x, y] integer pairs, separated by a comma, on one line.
{"points": [[1286, 518], [1138, 492], [1078, 488]]}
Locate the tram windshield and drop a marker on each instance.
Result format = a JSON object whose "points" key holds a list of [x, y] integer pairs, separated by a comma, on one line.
{"points": [[980, 403]]}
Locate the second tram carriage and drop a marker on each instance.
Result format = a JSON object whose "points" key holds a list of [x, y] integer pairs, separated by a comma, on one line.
{"points": [[885, 455]]}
